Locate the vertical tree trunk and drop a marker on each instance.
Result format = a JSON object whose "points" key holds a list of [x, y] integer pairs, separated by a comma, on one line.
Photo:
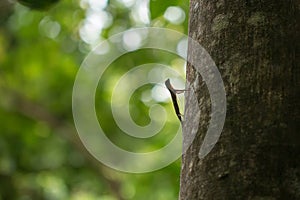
{"points": [[255, 44]]}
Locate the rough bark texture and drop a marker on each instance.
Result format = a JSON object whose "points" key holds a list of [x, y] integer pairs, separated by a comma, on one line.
{"points": [[255, 44]]}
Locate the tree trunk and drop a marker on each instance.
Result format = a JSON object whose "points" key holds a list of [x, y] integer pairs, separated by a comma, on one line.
{"points": [[255, 45]]}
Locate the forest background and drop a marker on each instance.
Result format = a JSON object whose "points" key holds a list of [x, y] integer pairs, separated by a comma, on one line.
{"points": [[41, 51]]}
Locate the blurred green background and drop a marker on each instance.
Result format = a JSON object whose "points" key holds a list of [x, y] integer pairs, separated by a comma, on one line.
{"points": [[42, 44]]}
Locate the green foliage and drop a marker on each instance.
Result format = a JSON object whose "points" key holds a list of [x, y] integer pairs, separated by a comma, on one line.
{"points": [[38, 4], [158, 9], [40, 154]]}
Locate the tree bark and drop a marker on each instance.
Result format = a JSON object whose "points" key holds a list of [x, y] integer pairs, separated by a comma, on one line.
{"points": [[255, 45]]}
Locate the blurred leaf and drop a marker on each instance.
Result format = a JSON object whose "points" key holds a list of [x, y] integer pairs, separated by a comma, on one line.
{"points": [[158, 7], [38, 4]]}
